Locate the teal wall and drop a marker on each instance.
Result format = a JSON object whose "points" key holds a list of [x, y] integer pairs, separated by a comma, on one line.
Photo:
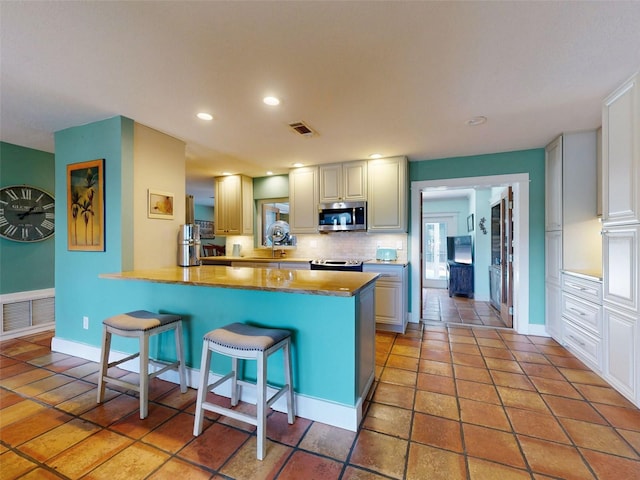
{"points": [[27, 266], [78, 289], [275, 186], [203, 212], [453, 205], [523, 161]]}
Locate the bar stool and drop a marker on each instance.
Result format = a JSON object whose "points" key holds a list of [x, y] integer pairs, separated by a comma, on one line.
{"points": [[246, 342], [140, 324]]}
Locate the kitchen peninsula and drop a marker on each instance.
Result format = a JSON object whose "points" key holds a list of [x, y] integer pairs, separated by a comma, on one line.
{"points": [[331, 315]]}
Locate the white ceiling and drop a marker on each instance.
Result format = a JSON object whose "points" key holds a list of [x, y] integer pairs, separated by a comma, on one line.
{"points": [[393, 77]]}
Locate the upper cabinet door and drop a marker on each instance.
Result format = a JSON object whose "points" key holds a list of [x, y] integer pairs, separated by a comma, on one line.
{"points": [[341, 182], [553, 185], [621, 154], [387, 202], [303, 200]]}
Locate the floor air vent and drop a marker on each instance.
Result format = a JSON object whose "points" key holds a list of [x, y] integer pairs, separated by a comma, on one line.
{"points": [[303, 129]]}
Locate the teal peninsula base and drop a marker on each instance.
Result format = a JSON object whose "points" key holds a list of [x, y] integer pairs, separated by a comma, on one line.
{"points": [[331, 315]]}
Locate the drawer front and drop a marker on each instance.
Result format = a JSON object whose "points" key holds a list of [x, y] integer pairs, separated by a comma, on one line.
{"points": [[586, 314], [590, 290], [586, 347], [388, 273]]}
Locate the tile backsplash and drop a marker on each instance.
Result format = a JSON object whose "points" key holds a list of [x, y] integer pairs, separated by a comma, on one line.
{"points": [[340, 245]]}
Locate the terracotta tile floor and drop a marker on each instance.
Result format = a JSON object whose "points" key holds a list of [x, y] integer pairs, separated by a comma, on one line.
{"points": [[448, 403], [437, 306]]}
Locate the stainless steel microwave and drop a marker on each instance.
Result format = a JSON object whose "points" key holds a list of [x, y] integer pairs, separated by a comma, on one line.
{"points": [[342, 216]]}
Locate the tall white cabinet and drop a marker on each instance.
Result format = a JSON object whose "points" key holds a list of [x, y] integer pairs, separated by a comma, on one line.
{"points": [[553, 237], [573, 246], [621, 237]]}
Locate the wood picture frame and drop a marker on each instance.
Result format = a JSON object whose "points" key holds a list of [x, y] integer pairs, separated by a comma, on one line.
{"points": [[160, 204], [85, 206]]}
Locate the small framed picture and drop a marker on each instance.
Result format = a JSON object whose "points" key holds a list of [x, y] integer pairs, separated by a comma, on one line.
{"points": [[160, 205], [470, 223]]}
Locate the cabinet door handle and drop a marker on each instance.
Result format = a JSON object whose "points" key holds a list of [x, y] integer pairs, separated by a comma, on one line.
{"points": [[582, 344], [579, 312]]}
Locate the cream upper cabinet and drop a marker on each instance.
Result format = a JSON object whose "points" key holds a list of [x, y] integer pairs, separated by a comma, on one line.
{"points": [[303, 200], [343, 182], [233, 212], [553, 185], [387, 195], [621, 154]]}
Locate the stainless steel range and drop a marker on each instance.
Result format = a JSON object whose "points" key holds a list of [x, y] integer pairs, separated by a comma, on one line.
{"points": [[340, 265]]}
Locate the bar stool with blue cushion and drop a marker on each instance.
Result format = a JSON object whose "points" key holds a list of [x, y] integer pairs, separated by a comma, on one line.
{"points": [[242, 341], [140, 324]]}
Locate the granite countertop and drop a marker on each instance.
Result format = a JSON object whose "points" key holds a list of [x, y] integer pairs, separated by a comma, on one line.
{"points": [[310, 282]]}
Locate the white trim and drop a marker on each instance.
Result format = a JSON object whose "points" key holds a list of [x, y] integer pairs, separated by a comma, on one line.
{"points": [[315, 409], [27, 295], [24, 332], [520, 184], [537, 330]]}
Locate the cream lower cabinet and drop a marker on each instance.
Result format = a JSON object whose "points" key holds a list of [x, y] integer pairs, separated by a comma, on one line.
{"points": [[391, 296], [582, 324]]}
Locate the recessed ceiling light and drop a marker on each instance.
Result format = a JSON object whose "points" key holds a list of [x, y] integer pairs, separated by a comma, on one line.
{"points": [[298, 165], [272, 101], [475, 121], [226, 173], [375, 155], [205, 116], [269, 172]]}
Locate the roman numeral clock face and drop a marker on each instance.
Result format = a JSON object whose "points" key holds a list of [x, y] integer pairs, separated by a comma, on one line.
{"points": [[26, 213]]}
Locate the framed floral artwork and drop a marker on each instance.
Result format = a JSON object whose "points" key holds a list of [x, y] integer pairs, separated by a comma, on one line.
{"points": [[85, 206]]}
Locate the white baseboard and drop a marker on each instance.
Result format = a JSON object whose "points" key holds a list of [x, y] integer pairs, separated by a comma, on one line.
{"points": [[536, 330], [318, 410]]}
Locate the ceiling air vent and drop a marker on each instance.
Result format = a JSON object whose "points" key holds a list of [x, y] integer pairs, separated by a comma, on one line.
{"points": [[302, 129]]}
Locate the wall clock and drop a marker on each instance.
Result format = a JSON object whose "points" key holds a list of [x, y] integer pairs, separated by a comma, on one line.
{"points": [[26, 213]]}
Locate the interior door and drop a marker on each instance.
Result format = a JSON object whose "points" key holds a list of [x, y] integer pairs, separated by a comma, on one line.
{"points": [[435, 230], [506, 247]]}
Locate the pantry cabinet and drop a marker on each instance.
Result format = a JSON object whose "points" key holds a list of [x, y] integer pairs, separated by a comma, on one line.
{"points": [[391, 296], [573, 242], [303, 200], [233, 212], [621, 237], [343, 182], [387, 195]]}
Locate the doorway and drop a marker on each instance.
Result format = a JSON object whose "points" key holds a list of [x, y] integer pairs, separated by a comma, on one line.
{"points": [[436, 229], [520, 240]]}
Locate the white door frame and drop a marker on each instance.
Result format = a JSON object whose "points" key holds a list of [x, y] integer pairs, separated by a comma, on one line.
{"points": [[520, 184]]}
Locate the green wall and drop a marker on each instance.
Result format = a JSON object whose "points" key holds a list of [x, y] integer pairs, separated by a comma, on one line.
{"points": [[78, 289], [26, 266], [523, 161]]}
